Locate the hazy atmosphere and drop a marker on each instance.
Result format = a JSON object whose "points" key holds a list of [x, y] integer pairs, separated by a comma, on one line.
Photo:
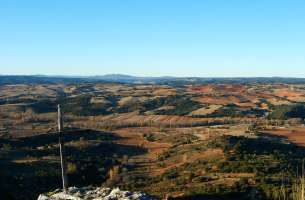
{"points": [[153, 38]]}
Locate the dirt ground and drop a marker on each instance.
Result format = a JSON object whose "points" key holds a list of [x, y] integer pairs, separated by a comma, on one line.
{"points": [[294, 135]]}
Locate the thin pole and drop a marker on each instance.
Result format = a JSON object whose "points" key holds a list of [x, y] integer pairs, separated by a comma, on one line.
{"points": [[61, 149]]}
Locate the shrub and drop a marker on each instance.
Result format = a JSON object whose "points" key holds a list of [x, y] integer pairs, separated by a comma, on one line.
{"points": [[71, 168]]}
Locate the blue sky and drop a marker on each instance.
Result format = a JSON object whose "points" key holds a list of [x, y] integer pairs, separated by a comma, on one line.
{"points": [[219, 38]]}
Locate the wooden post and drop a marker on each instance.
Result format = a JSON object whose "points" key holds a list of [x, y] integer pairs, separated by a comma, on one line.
{"points": [[61, 149]]}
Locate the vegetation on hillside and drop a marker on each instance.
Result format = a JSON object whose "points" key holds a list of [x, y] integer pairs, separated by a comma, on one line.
{"points": [[203, 141], [284, 112]]}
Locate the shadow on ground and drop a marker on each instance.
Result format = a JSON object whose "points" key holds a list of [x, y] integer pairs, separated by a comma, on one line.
{"points": [[89, 159]]}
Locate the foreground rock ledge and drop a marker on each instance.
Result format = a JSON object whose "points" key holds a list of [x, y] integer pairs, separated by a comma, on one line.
{"points": [[94, 193]]}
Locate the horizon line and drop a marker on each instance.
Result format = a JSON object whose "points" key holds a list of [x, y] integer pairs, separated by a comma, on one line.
{"points": [[145, 76]]}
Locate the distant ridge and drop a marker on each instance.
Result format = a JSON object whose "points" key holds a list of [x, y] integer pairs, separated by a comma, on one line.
{"points": [[128, 79]]}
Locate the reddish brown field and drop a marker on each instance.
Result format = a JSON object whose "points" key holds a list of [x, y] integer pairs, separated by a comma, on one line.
{"points": [[295, 135], [134, 136], [221, 88], [200, 89], [224, 100], [287, 93]]}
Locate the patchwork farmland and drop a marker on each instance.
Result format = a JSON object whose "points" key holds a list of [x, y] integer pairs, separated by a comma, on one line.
{"points": [[183, 141]]}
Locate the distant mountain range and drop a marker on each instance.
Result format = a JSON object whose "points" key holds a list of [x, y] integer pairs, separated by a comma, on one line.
{"points": [[127, 79]]}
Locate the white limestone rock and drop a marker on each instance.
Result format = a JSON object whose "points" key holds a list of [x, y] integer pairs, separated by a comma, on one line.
{"points": [[94, 193]]}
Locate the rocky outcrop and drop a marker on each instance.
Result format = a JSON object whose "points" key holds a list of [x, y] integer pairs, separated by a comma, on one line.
{"points": [[94, 193]]}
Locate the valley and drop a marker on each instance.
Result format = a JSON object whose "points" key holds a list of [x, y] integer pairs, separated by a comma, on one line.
{"points": [[180, 141]]}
